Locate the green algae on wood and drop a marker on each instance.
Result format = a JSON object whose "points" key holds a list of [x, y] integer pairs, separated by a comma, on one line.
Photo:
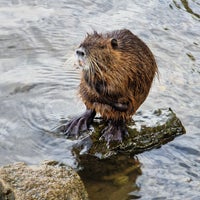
{"points": [[148, 130]]}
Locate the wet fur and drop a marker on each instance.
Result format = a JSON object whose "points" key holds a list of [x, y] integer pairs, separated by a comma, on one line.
{"points": [[120, 75]]}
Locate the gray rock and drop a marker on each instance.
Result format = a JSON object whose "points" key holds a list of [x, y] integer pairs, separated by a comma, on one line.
{"points": [[49, 181]]}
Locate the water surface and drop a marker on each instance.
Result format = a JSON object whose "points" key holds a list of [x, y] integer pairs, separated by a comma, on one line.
{"points": [[37, 90]]}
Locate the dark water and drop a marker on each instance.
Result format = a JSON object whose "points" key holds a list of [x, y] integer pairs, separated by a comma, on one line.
{"points": [[37, 89]]}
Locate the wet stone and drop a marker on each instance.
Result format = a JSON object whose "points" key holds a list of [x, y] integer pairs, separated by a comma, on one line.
{"points": [[48, 181], [149, 130]]}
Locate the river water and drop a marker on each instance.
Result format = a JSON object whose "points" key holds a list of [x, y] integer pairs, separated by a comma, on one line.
{"points": [[37, 89]]}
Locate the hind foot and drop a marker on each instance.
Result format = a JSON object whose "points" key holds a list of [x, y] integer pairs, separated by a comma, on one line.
{"points": [[115, 131], [79, 124]]}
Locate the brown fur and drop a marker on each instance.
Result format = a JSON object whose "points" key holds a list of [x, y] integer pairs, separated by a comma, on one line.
{"points": [[120, 75]]}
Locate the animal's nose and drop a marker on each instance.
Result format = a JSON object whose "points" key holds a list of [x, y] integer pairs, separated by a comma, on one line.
{"points": [[80, 52]]}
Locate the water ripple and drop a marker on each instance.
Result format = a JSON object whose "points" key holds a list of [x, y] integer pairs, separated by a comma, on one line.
{"points": [[38, 83]]}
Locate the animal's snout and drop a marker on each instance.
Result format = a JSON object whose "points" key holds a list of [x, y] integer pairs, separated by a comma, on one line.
{"points": [[80, 52]]}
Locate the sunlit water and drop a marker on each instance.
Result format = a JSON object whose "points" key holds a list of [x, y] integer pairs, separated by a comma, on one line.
{"points": [[37, 89]]}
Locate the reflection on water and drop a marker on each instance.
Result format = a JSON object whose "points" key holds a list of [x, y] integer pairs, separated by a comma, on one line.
{"points": [[36, 91], [117, 176], [187, 6]]}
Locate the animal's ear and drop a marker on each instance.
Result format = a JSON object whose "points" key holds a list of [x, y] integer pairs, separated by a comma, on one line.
{"points": [[114, 43]]}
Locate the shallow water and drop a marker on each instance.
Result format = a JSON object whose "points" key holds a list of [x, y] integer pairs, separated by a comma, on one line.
{"points": [[37, 89]]}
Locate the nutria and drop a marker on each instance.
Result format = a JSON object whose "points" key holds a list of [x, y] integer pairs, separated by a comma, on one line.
{"points": [[117, 73]]}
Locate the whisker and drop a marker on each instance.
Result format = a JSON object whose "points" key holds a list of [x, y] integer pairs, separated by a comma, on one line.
{"points": [[70, 61], [101, 63], [94, 60], [95, 67]]}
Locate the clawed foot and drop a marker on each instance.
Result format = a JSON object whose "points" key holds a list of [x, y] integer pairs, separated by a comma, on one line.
{"points": [[79, 124], [115, 131]]}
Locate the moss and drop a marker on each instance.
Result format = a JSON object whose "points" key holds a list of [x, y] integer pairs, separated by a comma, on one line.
{"points": [[165, 128], [48, 181]]}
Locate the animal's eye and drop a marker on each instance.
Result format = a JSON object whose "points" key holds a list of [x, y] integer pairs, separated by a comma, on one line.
{"points": [[114, 43]]}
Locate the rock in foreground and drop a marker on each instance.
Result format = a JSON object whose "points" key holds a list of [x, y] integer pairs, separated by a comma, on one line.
{"points": [[48, 181]]}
